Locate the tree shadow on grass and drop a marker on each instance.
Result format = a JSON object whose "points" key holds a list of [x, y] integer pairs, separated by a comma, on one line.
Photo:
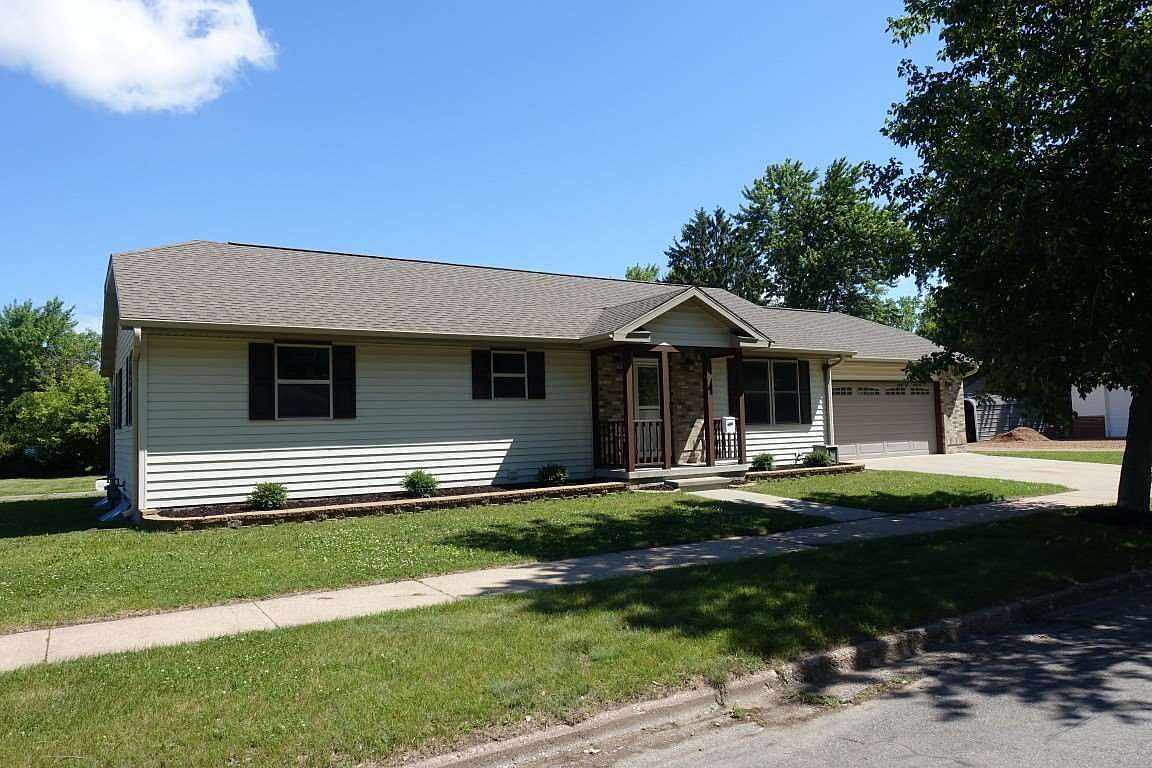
{"points": [[681, 520], [47, 516], [780, 608]]}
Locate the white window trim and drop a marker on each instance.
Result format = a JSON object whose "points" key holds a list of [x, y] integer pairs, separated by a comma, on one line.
{"points": [[772, 383], [524, 376], [278, 380], [771, 391]]}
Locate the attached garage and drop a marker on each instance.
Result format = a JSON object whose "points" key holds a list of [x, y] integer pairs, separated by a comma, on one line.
{"points": [[874, 419]]}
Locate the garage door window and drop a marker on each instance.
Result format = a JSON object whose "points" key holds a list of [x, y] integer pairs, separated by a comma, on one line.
{"points": [[919, 391], [772, 392], [868, 391]]}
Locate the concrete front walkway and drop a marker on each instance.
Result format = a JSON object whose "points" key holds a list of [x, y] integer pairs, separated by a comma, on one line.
{"points": [[173, 628]]}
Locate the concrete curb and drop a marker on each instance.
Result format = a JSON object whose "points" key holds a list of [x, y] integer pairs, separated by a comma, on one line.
{"points": [[700, 704]]}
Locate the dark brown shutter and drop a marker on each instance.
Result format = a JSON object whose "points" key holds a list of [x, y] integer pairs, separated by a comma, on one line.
{"points": [[343, 382], [535, 375], [261, 382], [805, 375], [481, 374]]}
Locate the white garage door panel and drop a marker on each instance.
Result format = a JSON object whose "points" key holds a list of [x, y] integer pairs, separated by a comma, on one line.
{"points": [[869, 426]]}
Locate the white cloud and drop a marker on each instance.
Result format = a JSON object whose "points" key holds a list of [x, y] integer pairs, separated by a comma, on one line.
{"points": [[134, 54]]}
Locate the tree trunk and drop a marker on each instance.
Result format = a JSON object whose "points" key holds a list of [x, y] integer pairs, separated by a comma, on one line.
{"points": [[1136, 472]]}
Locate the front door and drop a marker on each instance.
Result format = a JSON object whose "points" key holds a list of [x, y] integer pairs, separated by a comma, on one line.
{"points": [[649, 439]]}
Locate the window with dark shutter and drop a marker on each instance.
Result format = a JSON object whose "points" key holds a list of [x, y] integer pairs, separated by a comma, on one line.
{"points": [[481, 374], [536, 384], [785, 392], [757, 392], [303, 381], [343, 382], [261, 382]]}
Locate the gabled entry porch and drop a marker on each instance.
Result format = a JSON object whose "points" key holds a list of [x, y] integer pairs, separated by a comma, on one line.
{"points": [[660, 407]]}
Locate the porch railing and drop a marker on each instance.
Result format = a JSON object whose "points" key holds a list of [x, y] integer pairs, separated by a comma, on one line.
{"points": [[648, 435], [727, 446]]}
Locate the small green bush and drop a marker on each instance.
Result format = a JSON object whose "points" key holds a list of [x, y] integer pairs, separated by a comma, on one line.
{"points": [[762, 462], [818, 458], [552, 474], [421, 483], [268, 496]]}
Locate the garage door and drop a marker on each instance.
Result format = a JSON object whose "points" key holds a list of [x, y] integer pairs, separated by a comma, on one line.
{"points": [[882, 418]]}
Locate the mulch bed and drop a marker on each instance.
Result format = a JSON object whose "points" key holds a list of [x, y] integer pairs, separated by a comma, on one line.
{"points": [[214, 515], [787, 472], [242, 507]]}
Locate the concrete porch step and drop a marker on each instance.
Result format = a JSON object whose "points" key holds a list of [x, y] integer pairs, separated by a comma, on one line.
{"points": [[705, 483]]}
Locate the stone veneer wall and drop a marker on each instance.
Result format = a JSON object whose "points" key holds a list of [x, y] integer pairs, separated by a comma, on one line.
{"points": [[687, 388], [686, 383], [610, 386], [952, 413]]}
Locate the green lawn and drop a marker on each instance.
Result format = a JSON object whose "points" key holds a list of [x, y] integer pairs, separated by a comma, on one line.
{"points": [[1094, 457], [375, 687], [55, 566], [897, 493], [28, 486]]}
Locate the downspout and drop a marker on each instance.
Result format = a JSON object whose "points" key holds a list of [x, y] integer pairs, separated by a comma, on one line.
{"points": [[138, 388], [829, 416]]}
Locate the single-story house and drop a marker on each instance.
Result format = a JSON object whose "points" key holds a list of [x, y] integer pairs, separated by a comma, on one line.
{"points": [[338, 373], [1101, 413]]}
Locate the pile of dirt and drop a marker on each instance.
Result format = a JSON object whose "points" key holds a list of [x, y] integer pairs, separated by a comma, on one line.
{"points": [[1020, 435]]}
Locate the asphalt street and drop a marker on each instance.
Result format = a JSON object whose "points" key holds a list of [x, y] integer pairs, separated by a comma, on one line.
{"points": [[1074, 691]]}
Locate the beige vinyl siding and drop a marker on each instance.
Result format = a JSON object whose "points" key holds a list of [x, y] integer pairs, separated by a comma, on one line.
{"points": [[414, 411], [124, 439], [855, 370], [691, 325], [786, 441], [719, 388]]}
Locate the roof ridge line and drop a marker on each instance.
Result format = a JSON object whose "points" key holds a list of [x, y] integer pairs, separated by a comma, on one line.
{"points": [[429, 261]]}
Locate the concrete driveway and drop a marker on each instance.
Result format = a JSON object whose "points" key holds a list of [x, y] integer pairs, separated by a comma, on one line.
{"points": [[1091, 483]]}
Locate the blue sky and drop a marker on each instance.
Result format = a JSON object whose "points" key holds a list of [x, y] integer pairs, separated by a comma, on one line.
{"points": [[572, 137]]}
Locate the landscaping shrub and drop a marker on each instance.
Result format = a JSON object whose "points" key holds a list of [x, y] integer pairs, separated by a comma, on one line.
{"points": [[818, 458], [268, 496], [552, 474], [421, 483], [762, 462]]}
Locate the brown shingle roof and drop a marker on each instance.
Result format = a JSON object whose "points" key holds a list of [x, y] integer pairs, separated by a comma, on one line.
{"points": [[207, 283]]}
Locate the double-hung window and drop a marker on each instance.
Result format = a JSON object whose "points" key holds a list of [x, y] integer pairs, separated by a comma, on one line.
{"points": [[303, 381], [509, 375], [785, 392], [772, 391]]}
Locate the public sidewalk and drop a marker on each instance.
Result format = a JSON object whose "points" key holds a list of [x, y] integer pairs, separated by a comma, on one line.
{"points": [[173, 628]]}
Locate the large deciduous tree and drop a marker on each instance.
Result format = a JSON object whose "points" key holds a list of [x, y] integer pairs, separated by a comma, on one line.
{"points": [[53, 403], [1033, 198], [821, 240], [802, 239]]}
